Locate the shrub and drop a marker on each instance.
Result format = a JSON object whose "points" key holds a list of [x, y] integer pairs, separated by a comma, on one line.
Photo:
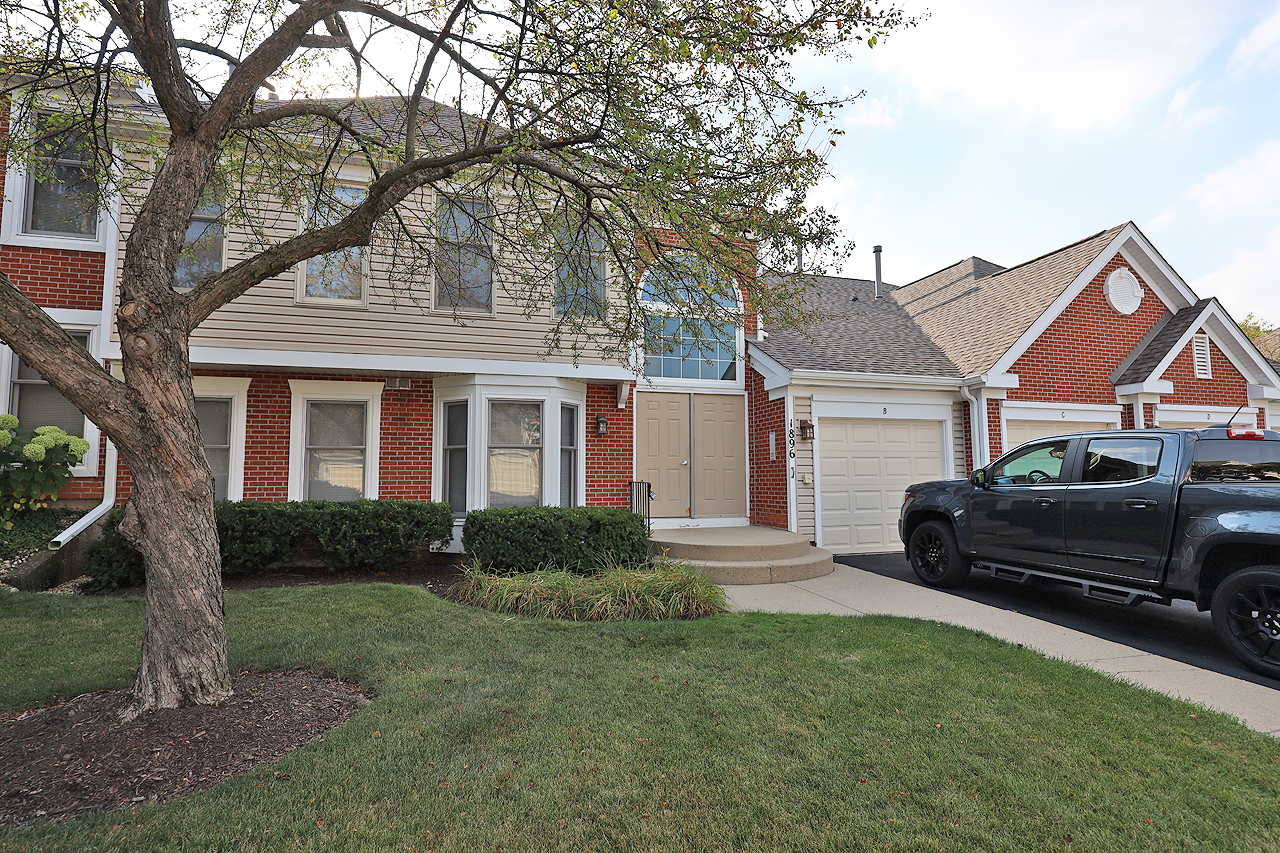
{"points": [[31, 531], [574, 539], [259, 536], [667, 590], [34, 466]]}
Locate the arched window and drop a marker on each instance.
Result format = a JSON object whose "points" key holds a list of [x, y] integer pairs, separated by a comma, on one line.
{"points": [[684, 343]]}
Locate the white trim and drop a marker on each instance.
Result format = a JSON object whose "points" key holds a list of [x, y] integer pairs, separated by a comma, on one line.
{"points": [[1201, 356], [775, 376], [1035, 411], [790, 438], [1208, 414], [1118, 245], [881, 411], [303, 390], [681, 523], [1150, 386], [1262, 392], [235, 389]]}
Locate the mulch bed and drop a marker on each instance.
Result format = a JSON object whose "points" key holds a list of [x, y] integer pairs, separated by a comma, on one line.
{"points": [[77, 757]]}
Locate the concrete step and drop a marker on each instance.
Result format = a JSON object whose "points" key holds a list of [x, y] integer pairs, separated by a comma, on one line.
{"points": [[814, 564], [729, 544]]}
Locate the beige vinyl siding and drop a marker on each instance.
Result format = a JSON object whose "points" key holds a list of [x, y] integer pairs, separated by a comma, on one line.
{"points": [[802, 409], [957, 438], [269, 316]]}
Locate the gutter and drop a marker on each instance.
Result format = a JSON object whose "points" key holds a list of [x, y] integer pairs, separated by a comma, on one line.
{"points": [[108, 501]]}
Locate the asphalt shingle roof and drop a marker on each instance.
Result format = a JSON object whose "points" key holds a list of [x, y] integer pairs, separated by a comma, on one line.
{"points": [[859, 334], [1270, 344], [975, 311], [1152, 349]]}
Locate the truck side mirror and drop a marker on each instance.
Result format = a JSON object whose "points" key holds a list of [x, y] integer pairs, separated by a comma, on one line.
{"points": [[979, 478]]}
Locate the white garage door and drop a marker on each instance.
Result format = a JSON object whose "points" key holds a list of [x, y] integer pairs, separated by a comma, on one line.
{"points": [[1020, 432], [864, 465]]}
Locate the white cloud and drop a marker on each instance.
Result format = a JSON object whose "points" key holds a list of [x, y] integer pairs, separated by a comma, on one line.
{"points": [[1249, 284], [1250, 185], [1181, 116], [1079, 66], [873, 112], [1261, 46]]}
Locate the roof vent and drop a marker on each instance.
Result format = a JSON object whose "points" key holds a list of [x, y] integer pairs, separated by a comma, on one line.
{"points": [[879, 281]]}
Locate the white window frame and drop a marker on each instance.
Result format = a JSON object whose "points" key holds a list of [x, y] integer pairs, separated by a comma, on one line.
{"points": [[1201, 356], [578, 498], [492, 311], [541, 446], [13, 219], [235, 389], [300, 281], [88, 466], [674, 383], [304, 391], [222, 254], [479, 392]]}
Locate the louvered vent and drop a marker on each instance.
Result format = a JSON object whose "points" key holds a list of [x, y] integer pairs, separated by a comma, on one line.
{"points": [[1200, 355]]}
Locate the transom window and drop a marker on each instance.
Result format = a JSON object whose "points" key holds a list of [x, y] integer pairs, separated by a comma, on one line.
{"points": [[62, 198], [464, 257]]}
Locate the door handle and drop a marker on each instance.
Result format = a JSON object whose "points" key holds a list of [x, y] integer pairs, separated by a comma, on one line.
{"points": [[1044, 501], [685, 462], [1139, 503]]}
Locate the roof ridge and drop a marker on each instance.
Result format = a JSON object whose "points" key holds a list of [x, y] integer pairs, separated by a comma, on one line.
{"points": [[1050, 254]]}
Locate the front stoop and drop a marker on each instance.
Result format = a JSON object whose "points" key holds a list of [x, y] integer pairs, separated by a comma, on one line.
{"points": [[745, 555]]}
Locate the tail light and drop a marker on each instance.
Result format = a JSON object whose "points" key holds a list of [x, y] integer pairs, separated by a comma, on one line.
{"points": [[1246, 433]]}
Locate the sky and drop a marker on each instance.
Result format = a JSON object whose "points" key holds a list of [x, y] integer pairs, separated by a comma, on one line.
{"points": [[1009, 128]]}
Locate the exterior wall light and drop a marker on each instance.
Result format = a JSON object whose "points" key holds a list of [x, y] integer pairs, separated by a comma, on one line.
{"points": [[806, 430], [602, 425]]}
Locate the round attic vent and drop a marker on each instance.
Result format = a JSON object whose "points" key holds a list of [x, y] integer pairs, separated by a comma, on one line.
{"points": [[1123, 291]]}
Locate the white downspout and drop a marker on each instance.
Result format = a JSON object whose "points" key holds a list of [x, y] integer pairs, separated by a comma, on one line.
{"points": [[108, 501], [978, 421]]}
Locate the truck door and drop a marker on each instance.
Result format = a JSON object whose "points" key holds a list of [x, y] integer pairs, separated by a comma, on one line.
{"points": [[1117, 517], [1019, 518]]}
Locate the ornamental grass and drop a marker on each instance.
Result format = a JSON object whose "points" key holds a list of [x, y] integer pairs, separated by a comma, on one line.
{"points": [[668, 589]]}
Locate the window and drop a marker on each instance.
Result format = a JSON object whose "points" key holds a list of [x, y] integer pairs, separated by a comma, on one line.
{"points": [[464, 258], [1119, 460], [455, 457], [1220, 459], [1200, 357], [580, 274], [214, 417], [336, 277], [37, 403], [202, 247], [1041, 463], [678, 346], [568, 456], [62, 197], [335, 451], [515, 454], [334, 439]]}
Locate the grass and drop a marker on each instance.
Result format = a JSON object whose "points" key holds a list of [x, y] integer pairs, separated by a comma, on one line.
{"points": [[736, 732], [32, 530], [668, 589]]}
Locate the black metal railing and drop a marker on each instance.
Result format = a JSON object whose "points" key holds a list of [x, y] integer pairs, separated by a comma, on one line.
{"points": [[641, 495]]}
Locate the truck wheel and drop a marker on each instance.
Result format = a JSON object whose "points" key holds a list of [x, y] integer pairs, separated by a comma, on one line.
{"points": [[935, 557], [1246, 615]]}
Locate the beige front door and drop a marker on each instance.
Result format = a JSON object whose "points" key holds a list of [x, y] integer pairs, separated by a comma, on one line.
{"points": [[720, 453], [662, 451]]}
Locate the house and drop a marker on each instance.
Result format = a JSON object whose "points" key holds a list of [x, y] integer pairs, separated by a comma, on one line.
{"points": [[942, 375], [319, 383]]}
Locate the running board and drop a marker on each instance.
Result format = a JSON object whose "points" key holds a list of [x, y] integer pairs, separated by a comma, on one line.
{"points": [[1111, 593]]}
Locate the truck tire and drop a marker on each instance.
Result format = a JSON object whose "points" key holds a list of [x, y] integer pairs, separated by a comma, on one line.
{"points": [[1246, 615], [935, 557]]}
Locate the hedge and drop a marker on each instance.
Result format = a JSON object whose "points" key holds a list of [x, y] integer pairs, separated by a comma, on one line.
{"points": [[574, 539], [259, 536]]}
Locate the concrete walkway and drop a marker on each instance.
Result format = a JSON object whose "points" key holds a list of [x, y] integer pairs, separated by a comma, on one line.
{"points": [[853, 592]]}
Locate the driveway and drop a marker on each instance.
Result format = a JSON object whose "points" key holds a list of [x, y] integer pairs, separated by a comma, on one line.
{"points": [[1178, 632]]}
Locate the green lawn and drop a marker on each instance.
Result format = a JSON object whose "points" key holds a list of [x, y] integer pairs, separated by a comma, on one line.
{"points": [[737, 732]]}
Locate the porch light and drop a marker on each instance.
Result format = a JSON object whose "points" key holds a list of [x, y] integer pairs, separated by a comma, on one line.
{"points": [[602, 425], [806, 430]]}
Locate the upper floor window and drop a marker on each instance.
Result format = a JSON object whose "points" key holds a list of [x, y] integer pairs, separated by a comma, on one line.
{"points": [[681, 345], [62, 195], [581, 274], [202, 248], [464, 257], [335, 277]]}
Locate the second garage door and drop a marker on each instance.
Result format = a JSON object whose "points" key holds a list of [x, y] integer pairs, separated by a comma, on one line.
{"points": [[864, 465], [1020, 432]]}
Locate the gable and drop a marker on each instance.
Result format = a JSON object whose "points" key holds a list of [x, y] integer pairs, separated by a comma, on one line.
{"points": [[1228, 387]]}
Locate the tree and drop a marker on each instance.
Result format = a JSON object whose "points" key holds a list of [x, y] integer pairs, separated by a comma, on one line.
{"points": [[1255, 327], [624, 128]]}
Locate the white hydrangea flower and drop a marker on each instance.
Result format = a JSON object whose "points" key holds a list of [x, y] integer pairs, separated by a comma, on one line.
{"points": [[48, 441], [33, 451], [78, 446], [8, 422], [49, 430], [6, 438]]}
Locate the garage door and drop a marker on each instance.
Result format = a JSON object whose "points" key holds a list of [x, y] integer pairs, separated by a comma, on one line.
{"points": [[1020, 432], [864, 465]]}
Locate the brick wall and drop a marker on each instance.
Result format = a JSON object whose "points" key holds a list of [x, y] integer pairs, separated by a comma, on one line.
{"points": [[56, 278], [995, 434], [610, 459], [1073, 357], [768, 477], [1226, 388], [404, 463]]}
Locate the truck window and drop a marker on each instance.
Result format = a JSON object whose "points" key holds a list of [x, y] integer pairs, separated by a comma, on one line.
{"points": [[1219, 459], [1119, 460], [1041, 463]]}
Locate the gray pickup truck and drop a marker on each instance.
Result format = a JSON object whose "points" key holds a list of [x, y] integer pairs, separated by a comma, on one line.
{"points": [[1129, 516]]}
